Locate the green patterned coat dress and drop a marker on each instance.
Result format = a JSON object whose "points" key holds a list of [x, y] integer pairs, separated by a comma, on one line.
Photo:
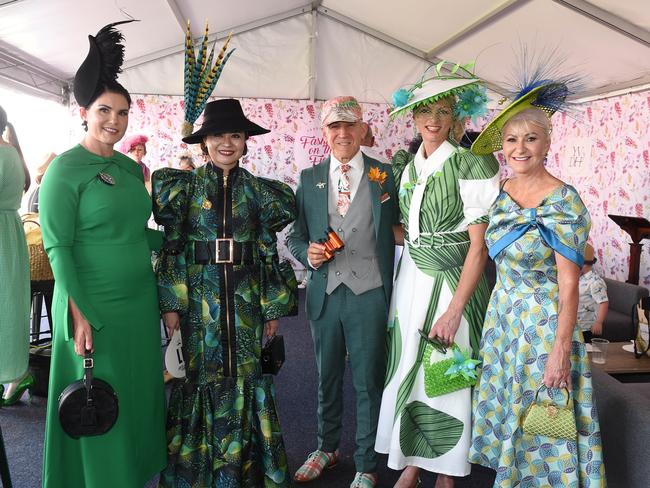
{"points": [[518, 336], [440, 196], [223, 429]]}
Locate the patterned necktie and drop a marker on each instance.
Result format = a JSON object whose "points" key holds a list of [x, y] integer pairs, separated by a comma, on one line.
{"points": [[343, 202]]}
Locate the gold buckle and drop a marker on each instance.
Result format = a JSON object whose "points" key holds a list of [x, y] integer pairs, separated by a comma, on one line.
{"points": [[231, 248]]}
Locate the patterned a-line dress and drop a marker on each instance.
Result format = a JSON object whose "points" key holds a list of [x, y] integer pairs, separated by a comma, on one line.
{"points": [[440, 196], [518, 335], [222, 427]]}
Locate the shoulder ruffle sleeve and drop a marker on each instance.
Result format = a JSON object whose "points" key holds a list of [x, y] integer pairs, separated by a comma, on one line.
{"points": [[564, 223], [279, 287], [478, 183], [401, 159], [562, 220], [171, 193]]}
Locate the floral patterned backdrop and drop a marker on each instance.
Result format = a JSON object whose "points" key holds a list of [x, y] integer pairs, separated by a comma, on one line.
{"points": [[604, 154]]}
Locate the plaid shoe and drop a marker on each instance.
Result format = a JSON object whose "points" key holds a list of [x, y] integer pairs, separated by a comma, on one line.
{"points": [[364, 480], [316, 462]]}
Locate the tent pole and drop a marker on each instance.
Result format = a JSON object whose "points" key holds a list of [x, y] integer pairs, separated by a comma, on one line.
{"points": [[477, 24], [313, 44], [608, 19]]}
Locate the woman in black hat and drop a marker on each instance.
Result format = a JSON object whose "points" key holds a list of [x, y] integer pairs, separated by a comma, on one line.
{"points": [[94, 210], [220, 281]]}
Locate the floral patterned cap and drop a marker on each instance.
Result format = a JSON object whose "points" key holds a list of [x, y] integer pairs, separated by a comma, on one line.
{"points": [[340, 109]]}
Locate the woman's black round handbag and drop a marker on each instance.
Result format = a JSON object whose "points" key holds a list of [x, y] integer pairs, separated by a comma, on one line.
{"points": [[88, 406]]}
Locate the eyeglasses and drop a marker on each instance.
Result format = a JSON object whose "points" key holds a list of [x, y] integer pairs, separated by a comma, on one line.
{"points": [[427, 111]]}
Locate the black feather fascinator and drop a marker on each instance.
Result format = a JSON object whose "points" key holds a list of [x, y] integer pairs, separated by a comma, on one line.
{"points": [[102, 64]]}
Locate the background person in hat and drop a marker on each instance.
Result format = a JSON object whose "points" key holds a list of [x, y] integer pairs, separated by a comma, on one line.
{"points": [[220, 281], [531, 349], [135, 147], [348, 297], [94, 209], [445, 193]]}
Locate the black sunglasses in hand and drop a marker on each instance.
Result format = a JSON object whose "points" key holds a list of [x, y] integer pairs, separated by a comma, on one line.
{"points": [[437, 345]]}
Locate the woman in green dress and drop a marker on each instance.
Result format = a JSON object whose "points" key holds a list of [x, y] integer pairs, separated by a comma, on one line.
{"points": [[14, 269], [221, 282], [445, 194], [94, 210]]}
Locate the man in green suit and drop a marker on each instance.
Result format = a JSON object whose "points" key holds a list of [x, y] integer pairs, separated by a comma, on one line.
{"points": [[348, 295]]}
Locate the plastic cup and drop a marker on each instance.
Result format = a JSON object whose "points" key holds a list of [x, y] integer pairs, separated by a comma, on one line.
{"points": [[599, 350]]}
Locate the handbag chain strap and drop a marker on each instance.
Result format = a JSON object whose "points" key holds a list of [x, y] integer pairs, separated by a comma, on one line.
{"points": [[89, 363], [568, 394]]}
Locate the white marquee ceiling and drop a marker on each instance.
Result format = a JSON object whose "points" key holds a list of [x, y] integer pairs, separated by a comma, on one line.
{"points": [[299, 49]]}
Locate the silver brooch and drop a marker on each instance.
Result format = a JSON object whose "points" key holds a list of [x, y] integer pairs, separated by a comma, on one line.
{"points": [[106, 178], [321, 185]]}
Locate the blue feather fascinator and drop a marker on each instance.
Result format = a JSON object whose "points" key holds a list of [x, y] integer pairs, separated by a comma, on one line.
{"points": [[540, 81]]}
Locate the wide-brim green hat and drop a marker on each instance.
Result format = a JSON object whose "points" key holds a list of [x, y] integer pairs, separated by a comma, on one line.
{"points": [[433, 90], [489, 140]]}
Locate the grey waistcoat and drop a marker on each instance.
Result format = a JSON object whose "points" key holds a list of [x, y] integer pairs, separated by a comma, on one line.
{"points": [[356, 265]]}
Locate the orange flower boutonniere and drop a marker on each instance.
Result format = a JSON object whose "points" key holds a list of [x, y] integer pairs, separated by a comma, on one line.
{"points": [[377, 176]]}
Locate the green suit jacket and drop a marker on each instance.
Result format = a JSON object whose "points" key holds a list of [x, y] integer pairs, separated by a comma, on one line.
{"points": [[312, 222]]}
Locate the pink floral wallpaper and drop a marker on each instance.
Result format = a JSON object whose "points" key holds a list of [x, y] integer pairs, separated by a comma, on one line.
{"points": [[604, 154]]}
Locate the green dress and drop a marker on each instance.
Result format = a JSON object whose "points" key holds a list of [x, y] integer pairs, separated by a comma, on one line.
{"points": [[222, 428], [440, 198], [14, 270], [94, 234]]}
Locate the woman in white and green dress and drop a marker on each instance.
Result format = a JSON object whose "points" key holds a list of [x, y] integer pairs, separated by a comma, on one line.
{"points": [[445, 194]]}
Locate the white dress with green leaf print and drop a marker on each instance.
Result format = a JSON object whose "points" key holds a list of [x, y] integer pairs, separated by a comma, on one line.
{"points": [[440, 196]]}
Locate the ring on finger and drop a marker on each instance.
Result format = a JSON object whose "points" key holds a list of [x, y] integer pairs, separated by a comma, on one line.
{"points": [[563, 384]]}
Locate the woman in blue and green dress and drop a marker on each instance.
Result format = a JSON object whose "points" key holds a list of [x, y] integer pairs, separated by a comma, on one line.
{"points": [[221, 282], [537, 234], [445, 193]]}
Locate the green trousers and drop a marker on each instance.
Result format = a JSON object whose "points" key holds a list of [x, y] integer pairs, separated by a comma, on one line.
{"points": [[356, 323]]}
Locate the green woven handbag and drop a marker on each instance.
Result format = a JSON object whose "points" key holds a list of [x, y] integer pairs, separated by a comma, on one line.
{"points": [[454, 373], [549, 419]]}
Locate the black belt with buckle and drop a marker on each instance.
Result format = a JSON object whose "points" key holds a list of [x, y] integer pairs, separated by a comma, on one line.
{"points": [[225, 251]]}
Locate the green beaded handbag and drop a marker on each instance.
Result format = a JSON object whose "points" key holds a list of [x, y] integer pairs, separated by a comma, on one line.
{"points": [[450, 374], [549, 419]]}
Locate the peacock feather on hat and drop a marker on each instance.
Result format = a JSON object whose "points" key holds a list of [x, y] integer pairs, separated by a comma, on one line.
{"points": [[201, 76]]}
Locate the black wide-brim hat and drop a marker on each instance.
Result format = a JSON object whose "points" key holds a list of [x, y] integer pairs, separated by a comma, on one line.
{"points": [[222, 116]]}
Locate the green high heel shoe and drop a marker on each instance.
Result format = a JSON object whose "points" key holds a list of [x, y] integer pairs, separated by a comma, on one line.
{"points": [[27, 383]]}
